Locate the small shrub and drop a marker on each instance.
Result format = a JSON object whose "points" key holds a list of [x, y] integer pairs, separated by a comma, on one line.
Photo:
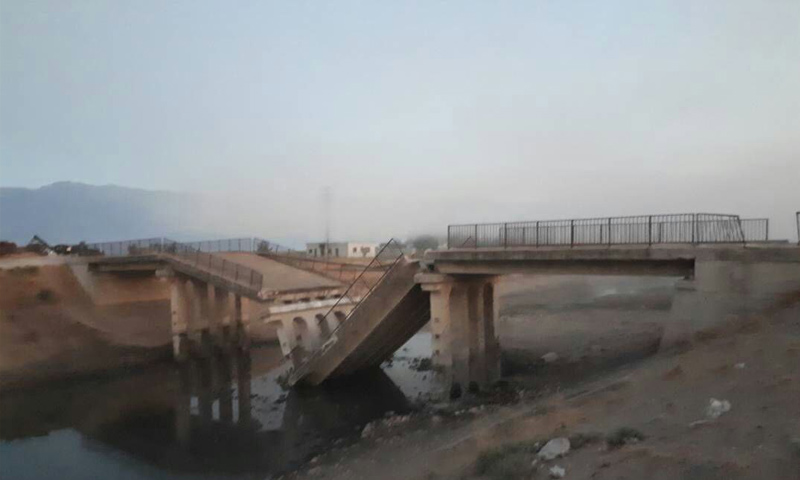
{"points": [[46, 295], [579, 440], [623, 436]]}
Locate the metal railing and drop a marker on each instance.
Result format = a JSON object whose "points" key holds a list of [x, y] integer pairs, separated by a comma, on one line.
{"points": [[644, 229], [360, 288], [188, 255], [797, 220], [755, 229]]}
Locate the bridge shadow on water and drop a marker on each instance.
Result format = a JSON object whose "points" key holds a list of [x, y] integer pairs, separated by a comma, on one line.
{"points": [[211, 416]]}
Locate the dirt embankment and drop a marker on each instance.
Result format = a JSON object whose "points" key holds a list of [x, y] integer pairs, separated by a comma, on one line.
{"points": [[51, 329]]}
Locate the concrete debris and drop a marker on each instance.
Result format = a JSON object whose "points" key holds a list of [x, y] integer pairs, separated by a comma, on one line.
{"points": [[717, 407], [557, 471], [556, 447], [550, 357], [315, 471], [396, 420], [369, 430], [740, 365]]}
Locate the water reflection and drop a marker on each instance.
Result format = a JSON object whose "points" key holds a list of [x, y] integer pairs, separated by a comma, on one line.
{"points": [[222, 415]]}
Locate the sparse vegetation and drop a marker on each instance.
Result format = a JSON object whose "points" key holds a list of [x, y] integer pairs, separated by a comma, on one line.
{"points": [[24, 271], [623, 436], [424, 242], [507, 462], [580, 440], [46, 295]]}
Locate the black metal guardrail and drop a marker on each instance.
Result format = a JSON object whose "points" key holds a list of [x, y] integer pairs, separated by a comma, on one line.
{"points": [[642, 229], [755, 229], [189, 254]]}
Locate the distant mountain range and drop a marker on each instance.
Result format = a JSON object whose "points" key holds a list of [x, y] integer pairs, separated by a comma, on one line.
{"points": [[68, 212]]}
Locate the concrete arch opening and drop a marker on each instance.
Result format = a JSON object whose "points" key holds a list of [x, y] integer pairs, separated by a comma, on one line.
{"points": [[340, 317], [324, 328], [301, 333], [274, 331]]}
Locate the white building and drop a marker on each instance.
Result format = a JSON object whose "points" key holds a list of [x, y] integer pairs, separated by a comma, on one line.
{"points": [[342, 249]]}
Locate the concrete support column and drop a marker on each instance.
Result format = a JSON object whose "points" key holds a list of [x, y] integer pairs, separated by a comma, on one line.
{"points": [[221, 304], [199, 312], [180, 308], [463, 313], [285, 338], [242, 312], [243, 377], [440, 324], [225, 398], [183, 402]]}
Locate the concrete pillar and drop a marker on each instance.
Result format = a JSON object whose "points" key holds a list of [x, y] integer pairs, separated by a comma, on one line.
{"points": [[324, 326], [205, 389], [183, 401], [243, 387], [180, 309], [440, 324], [490, 340], [224, 365], [197, 292], [464, 344], [242, 312], [221, 304]]}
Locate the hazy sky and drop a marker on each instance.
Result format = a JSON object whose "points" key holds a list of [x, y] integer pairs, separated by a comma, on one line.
{"points": [[416, 114]]}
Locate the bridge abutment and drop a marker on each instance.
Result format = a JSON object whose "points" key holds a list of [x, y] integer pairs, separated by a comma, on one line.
{"points": [[726, 291]]}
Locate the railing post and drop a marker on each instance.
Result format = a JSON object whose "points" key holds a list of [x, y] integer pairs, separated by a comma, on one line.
{"points": [[766, 236], [572, 233], [505, 235], [609, 231], [537, 233], [448, 236], [476, 235], [694, 228], [650, 230]]}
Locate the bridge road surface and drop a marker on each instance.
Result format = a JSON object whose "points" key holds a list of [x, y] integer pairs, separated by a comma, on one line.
{"points": [[279, 276]]}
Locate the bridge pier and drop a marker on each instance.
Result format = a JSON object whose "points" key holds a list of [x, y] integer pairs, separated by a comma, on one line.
{"points": [[206, 318], [463, 314]]}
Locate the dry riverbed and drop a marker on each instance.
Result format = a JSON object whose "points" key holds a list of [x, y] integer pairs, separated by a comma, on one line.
{"points": [[726, 408]]}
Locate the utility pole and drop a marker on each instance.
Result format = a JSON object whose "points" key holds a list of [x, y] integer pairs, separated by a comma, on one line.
{"points": [[326, 205]]}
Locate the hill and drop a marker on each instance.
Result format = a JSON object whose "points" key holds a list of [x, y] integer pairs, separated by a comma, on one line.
{"points": [[68, 212]]}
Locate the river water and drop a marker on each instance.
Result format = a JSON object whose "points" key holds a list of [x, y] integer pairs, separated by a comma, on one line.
{"points": [[224, 417]]}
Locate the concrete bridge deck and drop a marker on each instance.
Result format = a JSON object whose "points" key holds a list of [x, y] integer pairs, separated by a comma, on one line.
{"points": [[655, 260], [278, 276]]}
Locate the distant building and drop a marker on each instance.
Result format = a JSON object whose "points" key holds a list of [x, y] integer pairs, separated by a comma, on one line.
{"points": [[342, 249]]}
